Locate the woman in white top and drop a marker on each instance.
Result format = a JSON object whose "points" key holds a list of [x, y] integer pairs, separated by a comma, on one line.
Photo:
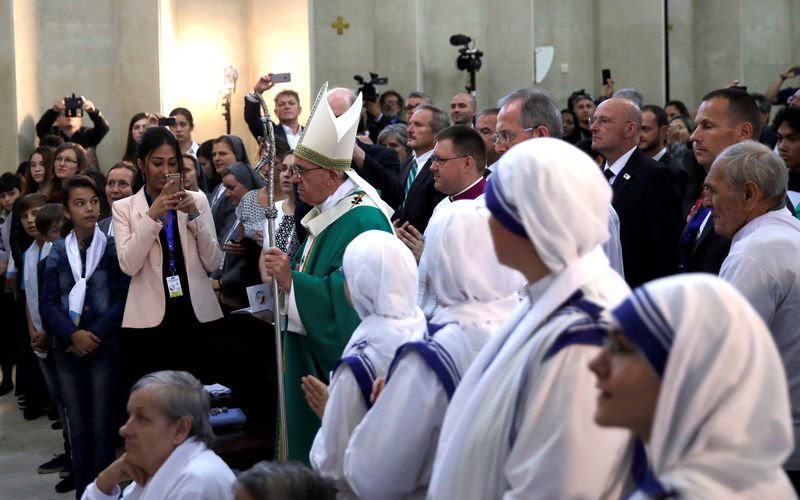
{"points": [[692, 370], [381, 281]]}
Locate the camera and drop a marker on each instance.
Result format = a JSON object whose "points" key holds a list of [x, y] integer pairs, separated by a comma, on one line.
{"points": [[368, 91], [73, 106], [469, 59], [169, 121]]}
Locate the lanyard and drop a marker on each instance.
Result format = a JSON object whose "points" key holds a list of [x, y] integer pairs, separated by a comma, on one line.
{"points": [[168, 230]]}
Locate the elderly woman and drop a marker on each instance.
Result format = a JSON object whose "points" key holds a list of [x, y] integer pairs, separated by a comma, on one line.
{"points": [[404, 423], [691, 369], [167, 440], [395, 136], [381, 282], [519, 424]]}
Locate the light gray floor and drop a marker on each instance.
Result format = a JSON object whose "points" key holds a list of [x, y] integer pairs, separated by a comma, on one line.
{"points": [[24, 445]]}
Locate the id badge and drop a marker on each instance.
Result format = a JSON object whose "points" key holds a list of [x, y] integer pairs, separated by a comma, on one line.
{"points": [[174, 286]]}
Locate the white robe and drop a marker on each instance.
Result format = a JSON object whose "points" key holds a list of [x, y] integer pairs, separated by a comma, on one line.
{"points": [[374, 343], [191, 472], [391, 452], [764, 265], [520, 426]]}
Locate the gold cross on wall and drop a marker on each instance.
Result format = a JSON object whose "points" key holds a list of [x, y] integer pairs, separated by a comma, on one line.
{"points": [[339, 25]]}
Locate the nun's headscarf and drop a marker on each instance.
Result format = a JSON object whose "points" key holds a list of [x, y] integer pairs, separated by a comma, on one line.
{"points": [[551, 193], [460, 258], [239, 151], [381, 274], [246, 175], [722, 424]]}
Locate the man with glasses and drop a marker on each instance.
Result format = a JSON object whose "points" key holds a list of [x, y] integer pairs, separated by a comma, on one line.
{"points": [[55, 121], [647, 196], [388, 110], [415, 99], [530, 113], [320, 318]]}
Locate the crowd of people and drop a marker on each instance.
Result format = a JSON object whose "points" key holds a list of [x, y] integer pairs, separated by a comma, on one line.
{"points": [[468, 297]]}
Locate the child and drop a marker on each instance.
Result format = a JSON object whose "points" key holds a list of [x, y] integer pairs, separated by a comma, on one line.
{"points": [[83, 298], [10, 187], [48, 220]]}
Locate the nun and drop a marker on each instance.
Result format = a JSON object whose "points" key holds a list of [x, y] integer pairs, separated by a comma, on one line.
{"points": [[391, 452], [520, 422], [380, 276], [691, 369], [239, 266]]}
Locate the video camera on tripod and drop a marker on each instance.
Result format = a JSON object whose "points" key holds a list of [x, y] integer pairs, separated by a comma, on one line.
{"points": [[469, 59], [367, 89]]}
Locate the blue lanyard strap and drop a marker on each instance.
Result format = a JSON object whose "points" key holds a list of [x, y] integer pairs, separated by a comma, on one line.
{"points": [[168, 233]]}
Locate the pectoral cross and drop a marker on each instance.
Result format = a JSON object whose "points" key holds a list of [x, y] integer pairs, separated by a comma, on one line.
{"points": [[339, 26]]}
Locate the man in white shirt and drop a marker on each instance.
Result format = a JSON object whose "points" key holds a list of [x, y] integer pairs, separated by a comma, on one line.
{"points": [[167, 440], [746, 193]]}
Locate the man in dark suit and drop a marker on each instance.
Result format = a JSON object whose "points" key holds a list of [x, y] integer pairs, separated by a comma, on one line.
{"points": [[725, 117], [415, 175], [653, 136], [647, 196], [287, 110]]}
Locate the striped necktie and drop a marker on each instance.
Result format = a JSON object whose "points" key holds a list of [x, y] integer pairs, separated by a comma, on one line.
{"points": [[412, 173]]}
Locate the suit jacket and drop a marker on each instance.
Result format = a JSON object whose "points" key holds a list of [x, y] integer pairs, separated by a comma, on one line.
{"points": [[648, 199], [252, 116], [139, 251], [421, 198], [706, 253], [380, 170]]}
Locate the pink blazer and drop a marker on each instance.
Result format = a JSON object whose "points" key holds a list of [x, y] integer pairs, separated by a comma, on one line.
{"points": [[139, 252]]}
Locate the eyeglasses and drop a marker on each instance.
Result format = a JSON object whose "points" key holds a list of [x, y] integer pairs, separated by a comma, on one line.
{"points": [[300, 171], [441, 161], [604, 121], [508, 136], [68, 161]]}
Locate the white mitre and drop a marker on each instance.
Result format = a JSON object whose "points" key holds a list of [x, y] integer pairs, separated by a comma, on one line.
{"points": [[328, 141]]}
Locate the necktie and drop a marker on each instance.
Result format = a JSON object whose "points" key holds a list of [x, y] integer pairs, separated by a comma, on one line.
{"points": [[608, 173], [412, 173]]}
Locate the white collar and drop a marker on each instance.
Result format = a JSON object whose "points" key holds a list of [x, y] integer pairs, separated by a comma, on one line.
{"points": [[618, 165], [343, 190], [660, 154], [423, 158]]}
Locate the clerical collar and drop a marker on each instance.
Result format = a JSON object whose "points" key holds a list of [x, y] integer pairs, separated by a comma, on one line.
{"points": [[472, 191], [343, 190]]}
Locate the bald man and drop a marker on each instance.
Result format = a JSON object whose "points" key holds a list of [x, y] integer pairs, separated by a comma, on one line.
{"points": [[647, 195], [463, 109]]}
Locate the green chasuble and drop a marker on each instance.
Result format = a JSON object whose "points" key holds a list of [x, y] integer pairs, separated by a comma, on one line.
{"points": [[328, 318]]}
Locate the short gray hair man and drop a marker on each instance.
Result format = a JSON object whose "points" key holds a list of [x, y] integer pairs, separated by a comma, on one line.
{"points": [[179, 394], [752, 161], [538, 109]]}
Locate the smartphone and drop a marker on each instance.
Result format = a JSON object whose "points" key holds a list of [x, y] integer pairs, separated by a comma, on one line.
{"points": [[743, 88], [169, 121], [72, 106], [796, 70], [176, 186], [606, 75], [281, 77]]}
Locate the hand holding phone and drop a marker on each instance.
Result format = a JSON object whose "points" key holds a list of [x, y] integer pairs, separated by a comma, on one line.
{"points": [[176, 185]]}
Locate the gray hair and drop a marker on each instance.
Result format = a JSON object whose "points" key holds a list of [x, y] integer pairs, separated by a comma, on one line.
{"points": [[537, 109], [439, 119], [398, 130], [486, 111], [752, 161], [179, 394], [420, 95], [632, 94], [274, 480]]}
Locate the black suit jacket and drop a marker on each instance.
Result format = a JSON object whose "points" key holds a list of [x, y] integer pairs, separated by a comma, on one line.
{"points": [[421, 199], [647, 198], [706, 253], [380, 170]]}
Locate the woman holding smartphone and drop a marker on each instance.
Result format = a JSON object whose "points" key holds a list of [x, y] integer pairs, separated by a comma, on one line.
{"points": [[167, 243]]}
